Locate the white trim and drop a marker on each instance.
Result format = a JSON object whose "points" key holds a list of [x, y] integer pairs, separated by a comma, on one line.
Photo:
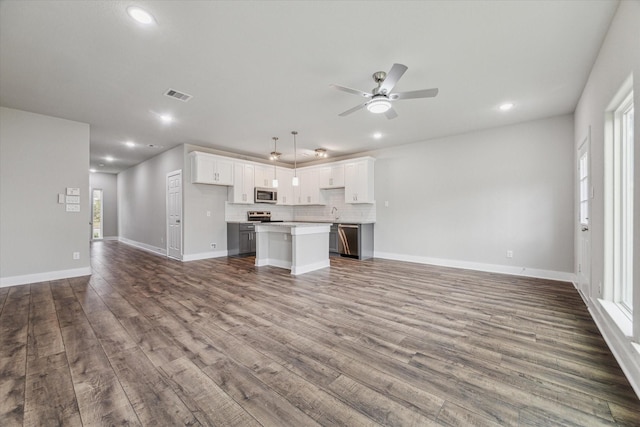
{"points": [[204, 255], [44, 277], [110, 238], [301, 269], [280, 263], [145, 247], [625, 352], [490, 268]]}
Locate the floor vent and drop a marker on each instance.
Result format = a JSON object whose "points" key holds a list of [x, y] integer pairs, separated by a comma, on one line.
{"points": [[178, 95]]}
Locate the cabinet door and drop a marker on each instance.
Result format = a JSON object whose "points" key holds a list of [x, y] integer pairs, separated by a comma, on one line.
{"points": [[202, 169], [224, 172], [242, 183], [285, 187], [358, 182], [331, 176]]}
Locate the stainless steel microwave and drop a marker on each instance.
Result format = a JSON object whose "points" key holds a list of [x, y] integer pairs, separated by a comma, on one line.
{"points": [[266, 195]]}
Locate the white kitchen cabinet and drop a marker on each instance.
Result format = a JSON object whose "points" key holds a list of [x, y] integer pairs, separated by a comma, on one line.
{"points": [[358, 181], [285, 187], [209, 169], [243, 183], [264, 176], [331, 176], [308, 192]]}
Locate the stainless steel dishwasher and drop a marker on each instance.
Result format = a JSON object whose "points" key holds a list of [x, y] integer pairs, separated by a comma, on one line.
{"points": [[348, 240]]}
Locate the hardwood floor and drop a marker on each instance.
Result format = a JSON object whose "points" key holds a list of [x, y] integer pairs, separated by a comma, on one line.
{"points": [[150, 341]]}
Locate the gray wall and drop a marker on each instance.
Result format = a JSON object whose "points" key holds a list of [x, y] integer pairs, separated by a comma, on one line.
{"points": [[108, 183], [619, 57], [142, 200], [40, 156], [467, 199]]}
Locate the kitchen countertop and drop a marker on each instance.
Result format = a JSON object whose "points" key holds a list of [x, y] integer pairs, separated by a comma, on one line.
{"points": [[317, 221]]}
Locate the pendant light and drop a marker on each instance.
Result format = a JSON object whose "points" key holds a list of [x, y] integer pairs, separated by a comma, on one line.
{"points": [[295, 182], [275, 156]]}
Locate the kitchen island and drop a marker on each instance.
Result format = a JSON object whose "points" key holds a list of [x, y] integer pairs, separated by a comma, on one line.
{"points": [[300, 247]]}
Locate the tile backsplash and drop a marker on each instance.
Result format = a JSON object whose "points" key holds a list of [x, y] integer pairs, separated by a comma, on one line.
{"points": [[343, 212]]}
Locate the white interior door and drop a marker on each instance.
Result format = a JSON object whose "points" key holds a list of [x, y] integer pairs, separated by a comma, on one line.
{"points": [[584, 212], [174, 215]]}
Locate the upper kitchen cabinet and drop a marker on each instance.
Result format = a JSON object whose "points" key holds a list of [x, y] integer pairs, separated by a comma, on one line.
{"points": [[308, 192], [358, 181], [209, 169], [243, 183], [285, 186], [331, 176], [264, 176]]}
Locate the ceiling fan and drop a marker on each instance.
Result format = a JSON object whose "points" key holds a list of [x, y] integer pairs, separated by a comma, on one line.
{"points": [[380, 97]]}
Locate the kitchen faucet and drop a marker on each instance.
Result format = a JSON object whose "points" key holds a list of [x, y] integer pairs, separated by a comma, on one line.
{"points": [[335, 210]]}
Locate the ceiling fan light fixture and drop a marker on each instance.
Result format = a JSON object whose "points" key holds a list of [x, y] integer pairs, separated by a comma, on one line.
{"points": [[140, 15], [379, 105], [321, 152]]}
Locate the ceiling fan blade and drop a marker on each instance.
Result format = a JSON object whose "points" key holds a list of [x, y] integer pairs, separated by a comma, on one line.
{"points": [[353, 91], [391, 113], [424, 93], [394, 74], [352, 110]]}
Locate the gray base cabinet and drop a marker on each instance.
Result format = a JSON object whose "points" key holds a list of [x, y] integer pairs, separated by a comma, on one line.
{"points": [[241, 238], [333, 239]]}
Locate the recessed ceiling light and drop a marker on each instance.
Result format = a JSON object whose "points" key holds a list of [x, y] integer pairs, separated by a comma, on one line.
{"points": [[377, 135], [109, 159], [92, 170], [130, 144], [166, 118], [140, 15], [506, 106]]}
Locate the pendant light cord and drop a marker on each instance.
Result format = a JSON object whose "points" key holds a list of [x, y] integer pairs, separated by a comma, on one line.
{"points": [[295, 154]]}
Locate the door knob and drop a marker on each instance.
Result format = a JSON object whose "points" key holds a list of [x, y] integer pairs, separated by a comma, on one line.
{"points": [[585, 228]]}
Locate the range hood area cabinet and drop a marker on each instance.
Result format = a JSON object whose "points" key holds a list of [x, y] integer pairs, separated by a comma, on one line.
{"points": [[210, 169], [358, 181]]}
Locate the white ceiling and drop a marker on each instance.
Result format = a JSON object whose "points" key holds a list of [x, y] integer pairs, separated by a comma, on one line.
{"points": [[262, 69]]}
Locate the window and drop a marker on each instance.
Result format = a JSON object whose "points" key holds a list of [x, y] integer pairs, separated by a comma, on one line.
{"points": [[619, 204]]}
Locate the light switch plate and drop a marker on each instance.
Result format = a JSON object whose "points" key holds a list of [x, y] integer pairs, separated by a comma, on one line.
{"points": [[61, 198], [73, 191], [73, 199], [73, 208]]}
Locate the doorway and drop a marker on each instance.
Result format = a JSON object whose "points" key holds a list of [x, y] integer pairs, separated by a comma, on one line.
{"points": [[97, 209], [584, 213], [174, 215]]}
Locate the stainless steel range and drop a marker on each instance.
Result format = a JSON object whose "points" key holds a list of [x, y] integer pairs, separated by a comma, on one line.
{"points": [[260, 216]]}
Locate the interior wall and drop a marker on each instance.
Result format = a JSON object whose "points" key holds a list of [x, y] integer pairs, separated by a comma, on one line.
{"points": [[108, 183], [619, 57], [466, 200], [40, 156], [204, 215], [142, 200]]}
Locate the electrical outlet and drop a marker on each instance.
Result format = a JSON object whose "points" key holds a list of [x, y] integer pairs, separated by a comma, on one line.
{"points": [[213, 245], [509, 254], [76, 255], [208, 213]]}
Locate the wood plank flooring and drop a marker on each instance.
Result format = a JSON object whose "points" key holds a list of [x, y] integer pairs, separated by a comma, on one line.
{"points": [[151, 341]]}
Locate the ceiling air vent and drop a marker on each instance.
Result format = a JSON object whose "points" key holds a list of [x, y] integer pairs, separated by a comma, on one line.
{"points": [[178, 95]]}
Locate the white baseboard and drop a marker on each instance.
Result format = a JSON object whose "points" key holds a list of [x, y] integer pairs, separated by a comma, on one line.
{"points": [[627, 353], [490, 268], [44, 277], [204, 255], [111, 238], [145, 247], [301, 269]]}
